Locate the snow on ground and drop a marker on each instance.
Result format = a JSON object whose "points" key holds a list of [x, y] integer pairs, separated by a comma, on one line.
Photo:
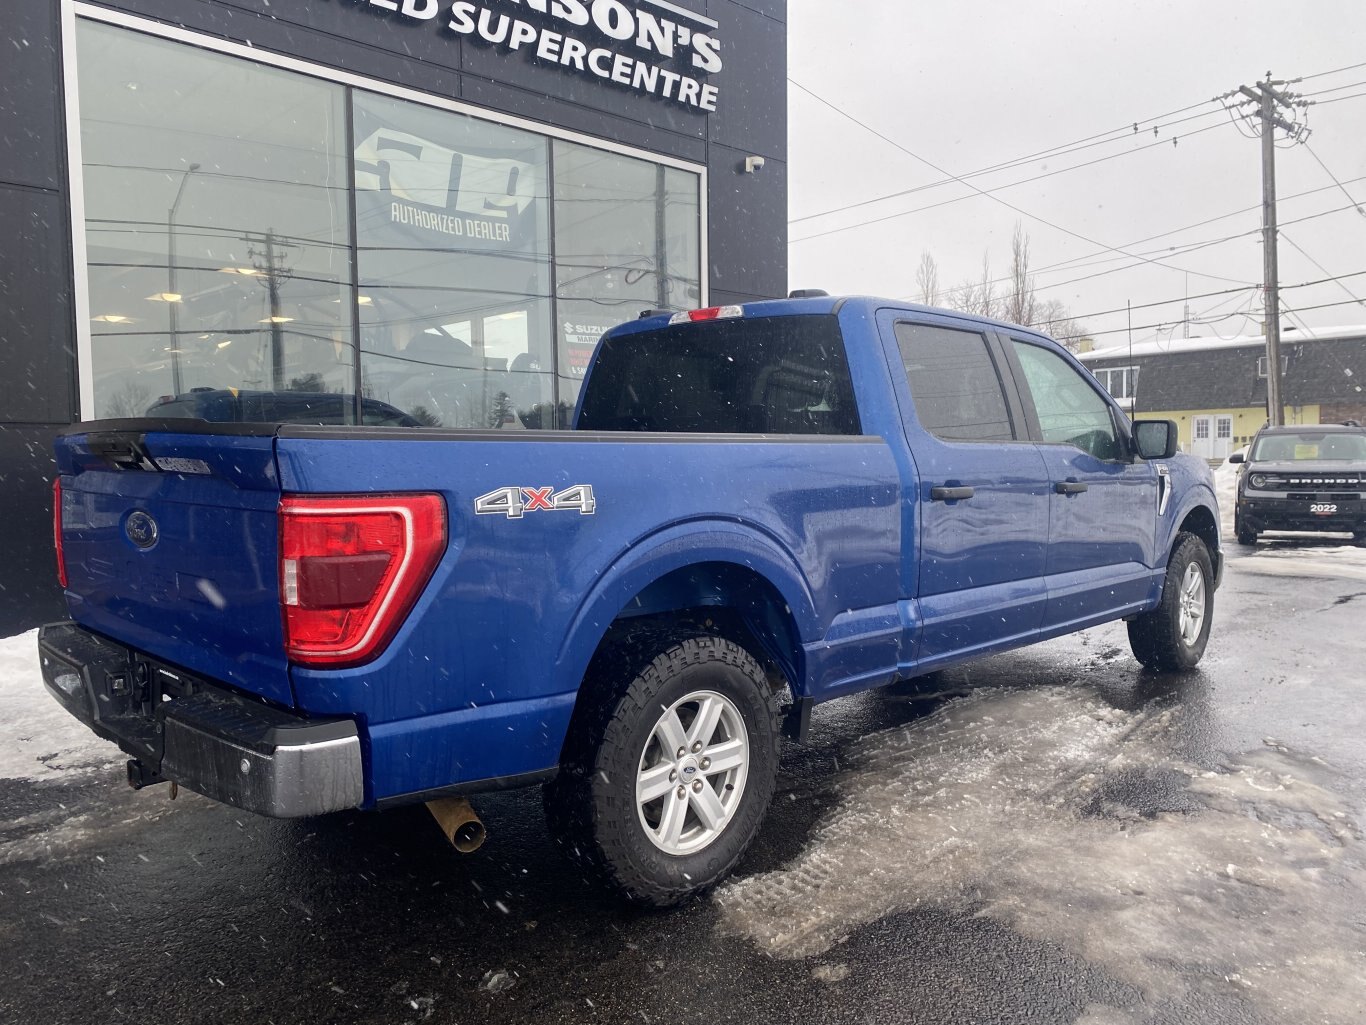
{"points": [[38, 738], [1070, 821]]}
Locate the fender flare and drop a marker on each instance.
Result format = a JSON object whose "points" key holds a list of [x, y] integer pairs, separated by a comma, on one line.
{"points": [[671, 548]]}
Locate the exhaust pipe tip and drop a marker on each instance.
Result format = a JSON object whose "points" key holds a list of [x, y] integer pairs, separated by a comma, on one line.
{"points": [[459, 822]]}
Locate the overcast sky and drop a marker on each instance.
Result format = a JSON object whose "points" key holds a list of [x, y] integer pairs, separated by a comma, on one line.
{"points": [[967, 86]]}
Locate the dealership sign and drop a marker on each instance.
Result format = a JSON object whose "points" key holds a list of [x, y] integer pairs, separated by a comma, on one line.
{"points": [[652, 46]]}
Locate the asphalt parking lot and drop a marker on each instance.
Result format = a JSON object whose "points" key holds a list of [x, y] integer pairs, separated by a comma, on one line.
{"points": [[1050, 835]]}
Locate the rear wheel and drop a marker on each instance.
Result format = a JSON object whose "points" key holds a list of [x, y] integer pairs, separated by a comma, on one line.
{"points": [[1174, 635], [671, 771]]}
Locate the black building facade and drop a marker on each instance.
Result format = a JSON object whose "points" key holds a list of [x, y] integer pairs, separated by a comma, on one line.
{"points": [[425, 209]]}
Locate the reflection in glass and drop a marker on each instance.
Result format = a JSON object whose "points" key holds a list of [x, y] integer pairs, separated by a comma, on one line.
{"points": [[217, 226], [626, 240], [453, 225]]}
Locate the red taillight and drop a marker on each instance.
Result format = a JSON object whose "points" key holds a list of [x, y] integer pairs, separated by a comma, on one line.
{"points": [[57, 531], [350, 570]]}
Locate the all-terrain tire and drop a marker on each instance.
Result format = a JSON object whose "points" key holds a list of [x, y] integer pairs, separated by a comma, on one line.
{"points": [[591, 806], [1168, 637]]}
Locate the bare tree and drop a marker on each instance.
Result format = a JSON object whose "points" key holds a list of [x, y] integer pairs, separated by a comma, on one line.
{"points": [[978, 296], [1054, 319], [927, 279], [1021, 304], [130, 400]]}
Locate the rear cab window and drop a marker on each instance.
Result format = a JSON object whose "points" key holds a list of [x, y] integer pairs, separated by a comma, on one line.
{"points": [[759, 375]]}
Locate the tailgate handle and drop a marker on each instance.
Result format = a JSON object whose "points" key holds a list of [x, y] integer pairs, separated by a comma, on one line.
{"points": [[1071, 486], [122, 451], [948, 494]]}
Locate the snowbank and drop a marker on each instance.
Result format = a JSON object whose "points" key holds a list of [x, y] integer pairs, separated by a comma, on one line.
{"points": [[38, 738], [1226, 491]]}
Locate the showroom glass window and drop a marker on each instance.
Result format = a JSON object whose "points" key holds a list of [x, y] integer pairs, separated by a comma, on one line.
{"points": [[226, 281], [217, 224], [626, 240]]}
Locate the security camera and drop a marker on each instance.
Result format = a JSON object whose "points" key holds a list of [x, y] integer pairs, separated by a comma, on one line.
{"points": [[753, 164]]}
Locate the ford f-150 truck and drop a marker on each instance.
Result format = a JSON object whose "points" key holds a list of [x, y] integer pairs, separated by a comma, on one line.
{"points": [[759, 508]]}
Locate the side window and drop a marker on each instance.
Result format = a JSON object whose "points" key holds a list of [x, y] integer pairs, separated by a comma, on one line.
{"points": [[957, 392], [1071, 411]]}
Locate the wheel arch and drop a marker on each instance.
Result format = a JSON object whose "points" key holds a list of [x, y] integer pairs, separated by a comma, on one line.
{"points": [[725, 579]]}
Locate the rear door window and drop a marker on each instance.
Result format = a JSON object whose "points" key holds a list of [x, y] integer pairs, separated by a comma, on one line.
{"points": [[764, 375], [955, 384]]}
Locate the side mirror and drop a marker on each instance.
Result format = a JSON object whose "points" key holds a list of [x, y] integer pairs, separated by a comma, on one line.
{"points": [[1155, 439], [1237, 457]]}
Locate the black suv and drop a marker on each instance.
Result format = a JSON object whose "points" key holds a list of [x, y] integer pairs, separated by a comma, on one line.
{"points": [[1302, 478]]}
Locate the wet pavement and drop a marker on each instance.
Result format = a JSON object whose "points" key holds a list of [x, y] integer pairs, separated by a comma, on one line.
{"points": [[1052, 835]]}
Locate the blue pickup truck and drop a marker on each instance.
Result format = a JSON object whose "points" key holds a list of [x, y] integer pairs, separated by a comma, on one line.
{"points": [[759, 508]]}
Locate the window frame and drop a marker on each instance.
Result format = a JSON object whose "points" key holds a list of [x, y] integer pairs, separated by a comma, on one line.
{"points": [[73, 11], [1118, 418]]}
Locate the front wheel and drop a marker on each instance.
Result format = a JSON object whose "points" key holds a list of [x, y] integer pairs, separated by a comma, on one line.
{"points": [[1246, 536], [672, 773], [1174, 635]]}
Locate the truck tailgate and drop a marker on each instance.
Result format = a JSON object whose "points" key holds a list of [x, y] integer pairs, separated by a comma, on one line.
{"points": [[171, 543]]}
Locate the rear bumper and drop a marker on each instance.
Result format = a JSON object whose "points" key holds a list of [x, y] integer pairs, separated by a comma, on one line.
{"points": [[200, 734]]}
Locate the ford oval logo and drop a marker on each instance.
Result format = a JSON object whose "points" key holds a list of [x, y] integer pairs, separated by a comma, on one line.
{"points": [[141, 529]]}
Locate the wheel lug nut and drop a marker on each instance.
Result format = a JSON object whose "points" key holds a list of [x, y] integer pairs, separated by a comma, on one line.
{"points": [[682, 792], [706, 763], [681, 752], [673, 775], [697, 786], [697, 746]]}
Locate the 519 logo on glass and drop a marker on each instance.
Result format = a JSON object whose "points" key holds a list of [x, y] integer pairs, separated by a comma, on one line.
{"points": [[515, 502]]}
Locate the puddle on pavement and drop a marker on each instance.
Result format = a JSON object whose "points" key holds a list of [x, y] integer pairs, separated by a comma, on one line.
{"points": [[1069, 820]]}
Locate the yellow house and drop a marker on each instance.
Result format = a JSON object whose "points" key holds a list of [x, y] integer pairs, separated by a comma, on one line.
{"points": [[1215, 388]]}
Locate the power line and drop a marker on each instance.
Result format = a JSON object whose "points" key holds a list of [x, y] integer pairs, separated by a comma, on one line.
{"points": [[1147, 327], [1333, 89], [1198, 224], [1206, 295], [1187, 249], [1335, 71], [1056, 151], [981, 192], [1339, 99], [1291, 242], [996, 199]]}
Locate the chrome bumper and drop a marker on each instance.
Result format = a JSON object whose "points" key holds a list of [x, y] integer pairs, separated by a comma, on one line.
{"points": [[199, 734]]}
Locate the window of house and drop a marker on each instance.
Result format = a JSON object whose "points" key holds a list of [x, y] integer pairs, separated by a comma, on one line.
{"points": [[957, 391], [1263, 363], [1120, 382]]}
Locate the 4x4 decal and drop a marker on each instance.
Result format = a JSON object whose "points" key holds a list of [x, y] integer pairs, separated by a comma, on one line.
{"points": [[515, 502]]}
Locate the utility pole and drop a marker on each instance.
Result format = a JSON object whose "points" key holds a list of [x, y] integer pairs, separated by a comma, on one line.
{"points": [[1269, 101], [272, 273]]}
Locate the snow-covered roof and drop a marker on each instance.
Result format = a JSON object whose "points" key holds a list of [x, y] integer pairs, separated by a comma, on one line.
{"points": [[1177, 345]]}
